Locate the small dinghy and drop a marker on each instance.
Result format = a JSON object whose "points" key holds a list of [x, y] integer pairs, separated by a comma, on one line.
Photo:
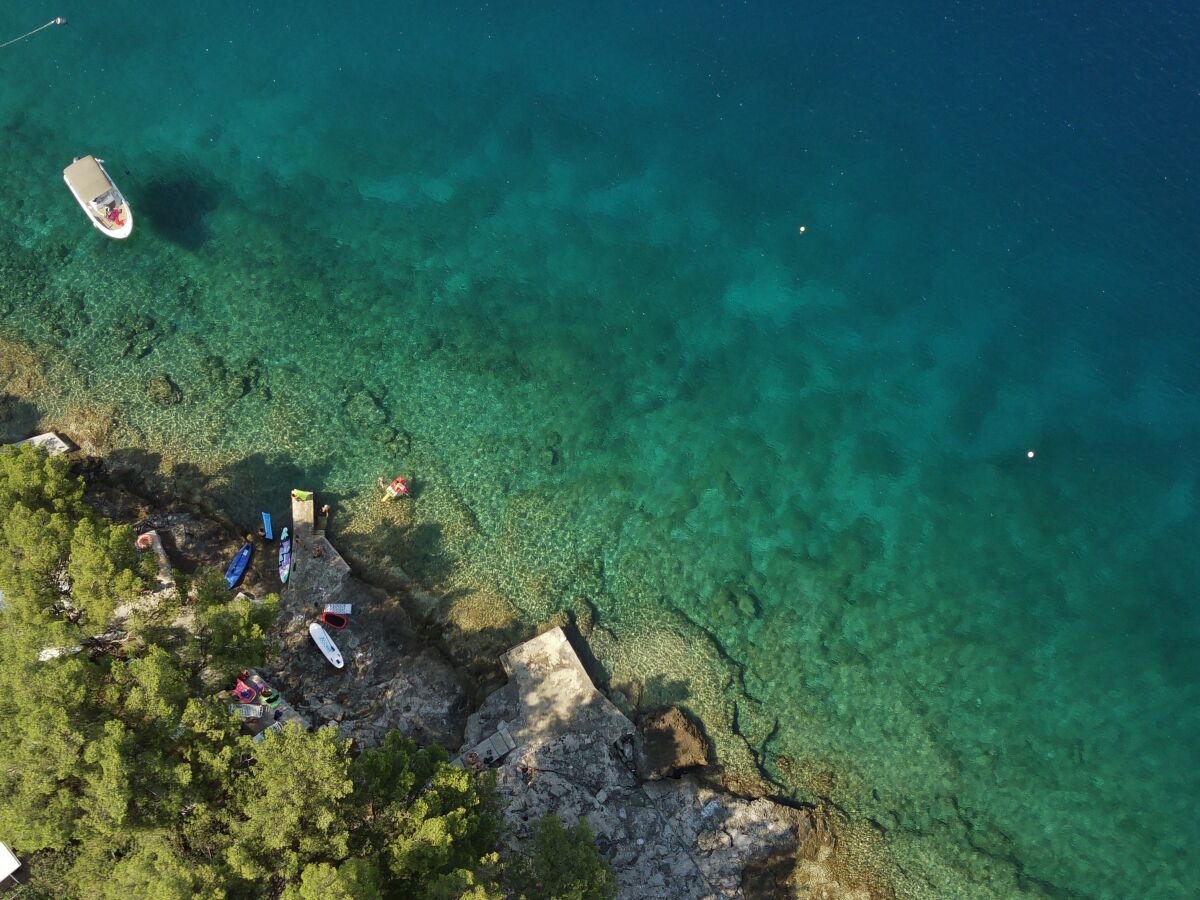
{"points": [[95, 192], [322, 639], [285, 555], [333, 620], [237, 567]]}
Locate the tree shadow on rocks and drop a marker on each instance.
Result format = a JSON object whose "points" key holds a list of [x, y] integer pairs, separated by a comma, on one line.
{"points": [[138, 469], [177, 207]]}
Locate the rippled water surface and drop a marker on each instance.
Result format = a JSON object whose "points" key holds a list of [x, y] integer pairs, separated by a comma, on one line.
{"points": [[733, 326]]}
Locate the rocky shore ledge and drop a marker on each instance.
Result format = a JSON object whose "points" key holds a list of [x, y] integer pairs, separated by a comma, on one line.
{"points": [[557, 743]]}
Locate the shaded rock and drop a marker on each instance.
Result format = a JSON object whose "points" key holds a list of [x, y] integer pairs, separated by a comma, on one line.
{"points": [[667, 744]]}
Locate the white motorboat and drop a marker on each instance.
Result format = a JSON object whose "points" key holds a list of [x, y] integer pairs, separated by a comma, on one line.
{"points": [[99, 197]]}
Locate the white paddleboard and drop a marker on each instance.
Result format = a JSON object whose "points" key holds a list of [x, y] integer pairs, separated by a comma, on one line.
{"points": [[322, 639]]}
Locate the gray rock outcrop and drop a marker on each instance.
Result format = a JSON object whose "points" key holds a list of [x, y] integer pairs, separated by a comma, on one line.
{"points": [[574, 758]]}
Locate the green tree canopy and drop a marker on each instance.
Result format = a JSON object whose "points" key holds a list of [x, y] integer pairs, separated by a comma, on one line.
{"points": [[434, 825], [36, 480], [290, 809], [563, 864], [128, 777], [39, 502], [355, 879], [233, 633], [104, 569]]}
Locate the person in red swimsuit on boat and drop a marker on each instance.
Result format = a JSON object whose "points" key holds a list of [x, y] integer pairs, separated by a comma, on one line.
{"points": [[114, 216], [398, 488]]}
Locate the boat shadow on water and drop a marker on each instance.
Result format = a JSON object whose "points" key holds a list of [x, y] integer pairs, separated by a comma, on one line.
{"points": [[177, 207]]}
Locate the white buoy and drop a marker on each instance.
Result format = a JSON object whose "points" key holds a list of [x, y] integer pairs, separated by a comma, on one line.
{"points": [[57, 20], [1030, 454]]}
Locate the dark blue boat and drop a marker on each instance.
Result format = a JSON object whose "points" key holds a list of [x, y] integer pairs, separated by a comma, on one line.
{"points": [[237, 568]]}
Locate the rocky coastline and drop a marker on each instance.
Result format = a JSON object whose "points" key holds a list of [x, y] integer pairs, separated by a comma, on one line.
{"points": [[663, 816]]}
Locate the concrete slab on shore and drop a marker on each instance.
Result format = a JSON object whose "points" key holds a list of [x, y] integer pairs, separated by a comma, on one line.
{"points": [[548, 693], [302, 514], [50, 442], [164, 581]]}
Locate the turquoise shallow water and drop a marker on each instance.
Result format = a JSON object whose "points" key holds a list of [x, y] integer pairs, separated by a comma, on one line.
{"points": [[551, 263]]}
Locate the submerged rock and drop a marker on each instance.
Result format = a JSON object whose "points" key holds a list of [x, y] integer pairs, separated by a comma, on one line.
{"points": [[366, 410], [232, 382], [162, 390], [234, 387], [732, 606], [135, 337]]}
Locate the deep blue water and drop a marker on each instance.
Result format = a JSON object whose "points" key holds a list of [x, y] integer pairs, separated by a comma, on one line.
{"points": [[550, 259]]}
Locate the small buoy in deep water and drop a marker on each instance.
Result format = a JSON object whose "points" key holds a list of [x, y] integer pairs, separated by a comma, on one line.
{"points": [[803, 228], [57, 20], [1030, 454]]}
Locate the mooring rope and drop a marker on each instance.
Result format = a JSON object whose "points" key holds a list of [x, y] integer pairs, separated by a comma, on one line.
{"points": [[57, 20]]}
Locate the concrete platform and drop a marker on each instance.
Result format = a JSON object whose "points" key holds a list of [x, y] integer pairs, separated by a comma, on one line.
{"points": [[548, 694], [491, 749], [164, 580], [318, 570], [302, 514], [50, 442]]}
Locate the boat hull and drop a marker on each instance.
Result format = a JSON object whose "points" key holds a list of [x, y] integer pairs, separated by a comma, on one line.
{"points": [[84, 192], [237, 568]]}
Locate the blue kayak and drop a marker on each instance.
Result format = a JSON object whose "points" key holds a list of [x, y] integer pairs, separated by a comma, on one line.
{"points": [[270, 535], [237, 568]]}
